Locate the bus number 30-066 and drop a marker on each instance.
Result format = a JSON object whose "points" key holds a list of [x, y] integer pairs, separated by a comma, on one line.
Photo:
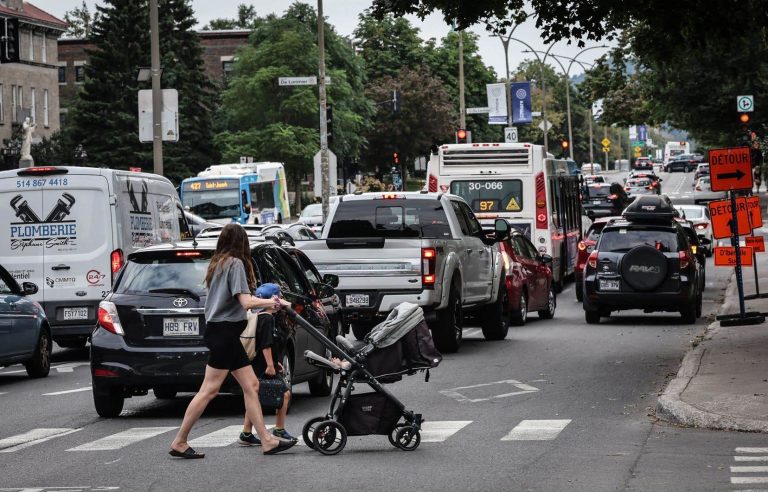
{"points": [[485, 185]]}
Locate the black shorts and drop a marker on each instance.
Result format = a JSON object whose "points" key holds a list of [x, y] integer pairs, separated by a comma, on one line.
{"points": [[223, 341]]}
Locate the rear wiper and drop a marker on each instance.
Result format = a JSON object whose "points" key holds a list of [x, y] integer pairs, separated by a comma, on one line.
{"points": [[173, 290]]}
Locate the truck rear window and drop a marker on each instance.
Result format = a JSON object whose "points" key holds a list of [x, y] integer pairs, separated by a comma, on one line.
{"points": [[387, 218], [623, 239]]}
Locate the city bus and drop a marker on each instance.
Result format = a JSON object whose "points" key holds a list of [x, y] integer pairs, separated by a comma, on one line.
{"points": [[516, 181], [251, 193], [673, 149]]}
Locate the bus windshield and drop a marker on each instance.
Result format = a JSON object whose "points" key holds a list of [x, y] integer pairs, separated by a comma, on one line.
{"points": [[502, 195], [213, 204]]}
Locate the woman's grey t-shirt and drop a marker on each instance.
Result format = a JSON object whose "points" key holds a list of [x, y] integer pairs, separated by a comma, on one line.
{"points": [[227, 282]]}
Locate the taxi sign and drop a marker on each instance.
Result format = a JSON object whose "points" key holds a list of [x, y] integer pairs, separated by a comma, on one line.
{"points": [[730, 169], [757, 243], [726, 256], [722, 218]]}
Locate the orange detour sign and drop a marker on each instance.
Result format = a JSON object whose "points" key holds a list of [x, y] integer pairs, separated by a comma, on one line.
{"points": [[722, 218], [755, 216], [756, 242], [730, 169], [726, 256]]}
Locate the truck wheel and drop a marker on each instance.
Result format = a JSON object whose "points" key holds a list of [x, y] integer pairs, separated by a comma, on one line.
{"points": [[549, 311], [447, 332], [40, 364], [108, 401], [496, 317], [520, 316]]}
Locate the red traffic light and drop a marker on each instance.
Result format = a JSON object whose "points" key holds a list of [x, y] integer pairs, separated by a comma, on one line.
{"points": [[744, 117], [564, 144], [461, 134], [395, 158]]}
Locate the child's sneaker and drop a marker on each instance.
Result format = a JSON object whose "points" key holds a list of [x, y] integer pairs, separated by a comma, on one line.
{"points": [[283, 434], [248, 440]]}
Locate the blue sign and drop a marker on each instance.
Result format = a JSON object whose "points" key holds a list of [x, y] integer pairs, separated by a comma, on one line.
{"points": [[642, 132], [521, 102]]}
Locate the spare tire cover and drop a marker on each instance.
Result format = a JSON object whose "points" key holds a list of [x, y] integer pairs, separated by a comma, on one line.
{"points": [[644, 268]]}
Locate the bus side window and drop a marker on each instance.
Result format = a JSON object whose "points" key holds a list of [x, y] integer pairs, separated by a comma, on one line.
{"points": [[244, 201]]}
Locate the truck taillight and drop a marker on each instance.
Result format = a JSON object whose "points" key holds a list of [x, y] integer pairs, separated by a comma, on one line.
{"points": [[116, 261], [592, 260], [108, 318], [428, 267], [541, 202], [432, 183]]}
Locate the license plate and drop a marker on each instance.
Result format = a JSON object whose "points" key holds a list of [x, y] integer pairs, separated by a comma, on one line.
{"points": [[596, 202], [609, 285], [75, 313], [357, 299], [180, 327]]}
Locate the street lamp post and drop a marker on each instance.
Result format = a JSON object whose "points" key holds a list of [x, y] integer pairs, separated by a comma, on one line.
{"points": [[157, 94], [324, 174], [505, 43], [543, 88]]}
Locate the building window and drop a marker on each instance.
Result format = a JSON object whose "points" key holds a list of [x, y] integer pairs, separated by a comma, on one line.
{"points": [[227, 67], [31, 46], [79, 74], [44, 53], [33, 106], [2, 106], [20, 101], [14, 115], [62, 75], [46, 117]]}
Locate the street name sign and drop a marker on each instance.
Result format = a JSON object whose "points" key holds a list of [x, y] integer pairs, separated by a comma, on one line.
{"points": [[730, 169], [510, 134], [745, 104], [478, 110], [311, 80], [726, 256], [757, 243], [722, 217]]}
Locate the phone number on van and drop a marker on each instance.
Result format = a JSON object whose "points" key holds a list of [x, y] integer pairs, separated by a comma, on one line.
{"points": [[40, 182]]}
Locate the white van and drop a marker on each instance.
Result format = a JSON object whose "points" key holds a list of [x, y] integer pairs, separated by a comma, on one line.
{"points": [[69, 229]]}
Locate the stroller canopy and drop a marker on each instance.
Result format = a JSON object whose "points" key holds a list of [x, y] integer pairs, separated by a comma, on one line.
{"points": [[401, 320]]}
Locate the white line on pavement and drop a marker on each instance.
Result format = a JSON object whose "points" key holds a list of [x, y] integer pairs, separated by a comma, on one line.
{"points": [[752, 450], [536, 430], [218, 439], [472, 332], [749, 469], [441, 430], [78, 390], [739, 480], [35, 436], [750, 458], [122, 439]]}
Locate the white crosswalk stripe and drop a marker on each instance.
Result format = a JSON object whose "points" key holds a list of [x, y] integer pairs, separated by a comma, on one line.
{"points": [[758, 473], [122, 439], [35, 436], [219, 439], [536, 430], [472, 333], [441, 430]]}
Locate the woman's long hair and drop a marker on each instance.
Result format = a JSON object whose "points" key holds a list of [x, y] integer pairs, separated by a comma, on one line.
{"points": [[232, 243]]}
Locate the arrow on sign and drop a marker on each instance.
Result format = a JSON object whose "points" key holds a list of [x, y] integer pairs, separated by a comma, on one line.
{"points": [[738, 174]]}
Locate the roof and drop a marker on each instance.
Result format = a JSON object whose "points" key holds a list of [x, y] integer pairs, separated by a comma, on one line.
{"points": [[34, 14]]}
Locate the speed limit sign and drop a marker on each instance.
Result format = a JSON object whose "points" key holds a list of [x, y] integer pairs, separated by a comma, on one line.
{"points": [[510, 134]]}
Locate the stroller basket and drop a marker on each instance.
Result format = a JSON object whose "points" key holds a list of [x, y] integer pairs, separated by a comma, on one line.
{"points": [[369, 413]]}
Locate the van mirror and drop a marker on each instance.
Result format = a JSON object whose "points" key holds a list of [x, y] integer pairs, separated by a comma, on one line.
{"points": [[501, 229], [29, 288]]}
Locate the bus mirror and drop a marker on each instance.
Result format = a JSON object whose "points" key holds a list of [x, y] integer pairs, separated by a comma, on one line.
{"points": [[501, 228]]}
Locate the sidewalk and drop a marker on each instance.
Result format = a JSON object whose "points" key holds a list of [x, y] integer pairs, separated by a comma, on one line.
{"points": [[723, 382]]}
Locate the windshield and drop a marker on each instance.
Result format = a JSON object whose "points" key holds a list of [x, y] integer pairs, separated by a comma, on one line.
{"points": [[503, 195], [622, 240], [143, 275], [599, 191], [398, 218], [213, 204], [314, 209]]}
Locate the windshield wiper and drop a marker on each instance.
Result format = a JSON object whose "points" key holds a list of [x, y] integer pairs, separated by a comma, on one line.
{"points": [[173, 290]]}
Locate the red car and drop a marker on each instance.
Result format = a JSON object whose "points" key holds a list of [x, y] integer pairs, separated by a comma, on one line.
{"points": [[528, 279], [585, 247]]}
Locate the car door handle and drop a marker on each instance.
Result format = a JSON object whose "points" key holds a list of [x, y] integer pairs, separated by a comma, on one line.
{"points": [[60, 267]]}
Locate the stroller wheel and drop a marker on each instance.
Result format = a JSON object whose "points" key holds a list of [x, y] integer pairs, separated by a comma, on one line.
{"points": [[392, 436], [309, 431], [330, 437], [408, 438]]}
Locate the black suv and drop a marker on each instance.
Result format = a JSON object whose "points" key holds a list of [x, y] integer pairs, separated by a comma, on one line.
{"points": [[150, 328], [603, 199], [643, 261]]}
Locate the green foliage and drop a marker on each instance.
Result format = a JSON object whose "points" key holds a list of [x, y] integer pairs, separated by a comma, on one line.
{"points": [[246, 17], [80, 22]]}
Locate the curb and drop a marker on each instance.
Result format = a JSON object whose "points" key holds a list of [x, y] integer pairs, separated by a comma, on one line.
{"points": [[670, 406]]}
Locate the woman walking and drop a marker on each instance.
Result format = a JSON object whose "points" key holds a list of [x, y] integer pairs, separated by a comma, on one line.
{"points": [[230, 280]]}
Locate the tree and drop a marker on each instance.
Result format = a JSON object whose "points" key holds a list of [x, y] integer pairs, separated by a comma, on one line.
{"points": [[246, 16], [104, 117], [80, 21]]}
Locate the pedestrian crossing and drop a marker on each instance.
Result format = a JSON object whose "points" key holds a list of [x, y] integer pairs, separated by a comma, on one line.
{"points": [[439, 431], [751, 466]]}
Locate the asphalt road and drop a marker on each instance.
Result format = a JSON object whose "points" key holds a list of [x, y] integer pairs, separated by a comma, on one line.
{"points": [[557, 405]]}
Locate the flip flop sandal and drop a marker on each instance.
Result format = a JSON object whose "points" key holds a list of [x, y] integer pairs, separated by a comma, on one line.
{"points": [[188, 454], [284, 445]]}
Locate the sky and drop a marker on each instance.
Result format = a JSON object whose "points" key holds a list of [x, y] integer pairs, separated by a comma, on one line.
{"points": [[343, 15]]}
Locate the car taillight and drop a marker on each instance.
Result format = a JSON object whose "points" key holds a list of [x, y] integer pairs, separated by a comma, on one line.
{"points": [[428, 267], [582, 246], [541, 203], [685, 260], [592, 260], [701, 226], [432, 187], [108, 318], [116, 260], [105, 373], [649, 187]]}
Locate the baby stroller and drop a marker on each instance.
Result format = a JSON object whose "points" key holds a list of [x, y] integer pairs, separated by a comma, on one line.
{"points": [[400, 345]]}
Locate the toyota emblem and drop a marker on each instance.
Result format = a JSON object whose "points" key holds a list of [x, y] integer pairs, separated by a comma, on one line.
{"points": [[180, 302]]}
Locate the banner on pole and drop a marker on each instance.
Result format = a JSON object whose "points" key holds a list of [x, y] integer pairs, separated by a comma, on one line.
{"points": [[521, 102], [497, 104]]}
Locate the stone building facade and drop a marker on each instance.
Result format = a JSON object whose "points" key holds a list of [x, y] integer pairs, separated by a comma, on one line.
{"points": [[29, 87]]}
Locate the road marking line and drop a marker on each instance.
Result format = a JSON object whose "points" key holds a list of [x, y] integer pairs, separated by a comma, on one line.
{"points": [[441, 430], [3, 392], [122, 439], [472, 332], [35, 436], [749, 469], [536, 430], [78, 390], [739, 480], [752, 450], [750, 458], [218, 439], [454, 392], [70, 366]]}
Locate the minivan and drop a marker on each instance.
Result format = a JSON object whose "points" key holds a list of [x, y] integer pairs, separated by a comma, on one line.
{"points": [[69, 229]]}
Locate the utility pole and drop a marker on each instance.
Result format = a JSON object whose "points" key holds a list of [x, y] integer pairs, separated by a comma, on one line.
{"points": [[325, 185], [591, 150], [462, 104], [157, 94]]}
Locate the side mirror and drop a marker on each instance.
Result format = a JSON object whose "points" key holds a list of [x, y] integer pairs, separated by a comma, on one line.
{"points": [[546, 259], [29, 288], [501, 229], [331, 279], [704, 241]]}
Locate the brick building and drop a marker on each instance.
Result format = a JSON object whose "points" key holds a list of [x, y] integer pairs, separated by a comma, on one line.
{"points": [[28, 83]]}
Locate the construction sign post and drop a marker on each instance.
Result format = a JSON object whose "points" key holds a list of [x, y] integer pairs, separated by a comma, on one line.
{"points": [[757, 243], [722, 218], [730, 169]]}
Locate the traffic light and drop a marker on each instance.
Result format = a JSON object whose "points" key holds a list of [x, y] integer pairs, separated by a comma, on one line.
{"points": [[395, 158], [564, 144], [9, 40], [329, 123], [744, 118], [462, 136], [395, 102]]}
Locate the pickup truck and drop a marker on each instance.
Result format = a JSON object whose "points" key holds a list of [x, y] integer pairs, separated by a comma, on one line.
{"points": [[424, 248]]}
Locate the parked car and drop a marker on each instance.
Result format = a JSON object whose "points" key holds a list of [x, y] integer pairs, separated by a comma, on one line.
{"points": [[639, 186], [602, 199], [150, 328], [645, 262], [197, 223], [584, 248], [702, 192], [528, 280], [25, 335], [701, 221]]}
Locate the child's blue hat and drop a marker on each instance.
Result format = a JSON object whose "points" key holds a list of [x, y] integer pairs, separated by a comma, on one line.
{"points": [[267, 291]]}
